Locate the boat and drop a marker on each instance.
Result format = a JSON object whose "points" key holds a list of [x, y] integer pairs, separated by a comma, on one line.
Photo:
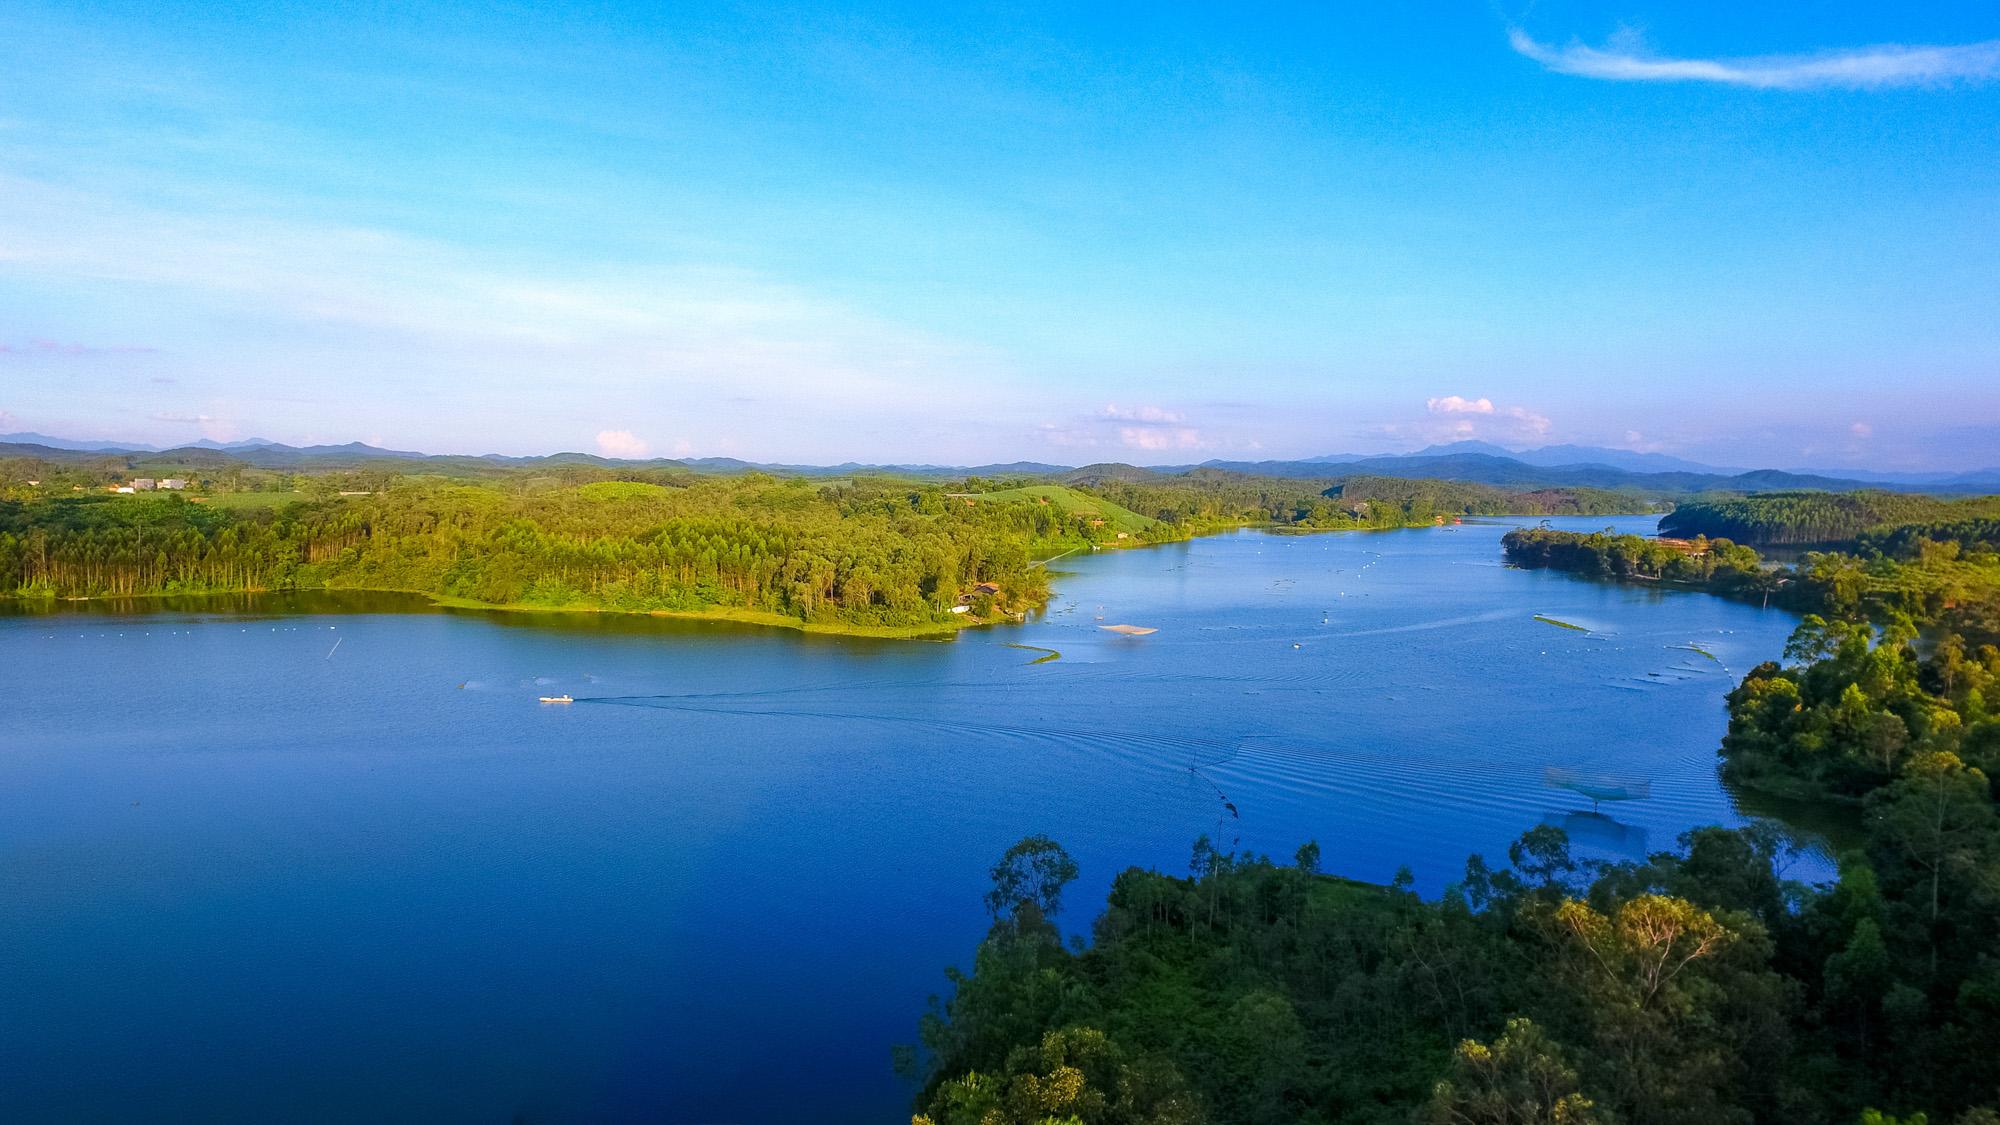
{"points": [[557, 699]]}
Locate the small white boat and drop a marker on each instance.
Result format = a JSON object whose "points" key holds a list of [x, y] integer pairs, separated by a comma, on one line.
{"points": [[557, 699]]}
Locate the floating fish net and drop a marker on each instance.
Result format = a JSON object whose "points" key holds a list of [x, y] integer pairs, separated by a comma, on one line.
{"points": [[1597, 786]]}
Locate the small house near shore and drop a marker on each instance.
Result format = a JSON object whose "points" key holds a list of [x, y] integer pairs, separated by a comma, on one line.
{"points": [[984, 589]]}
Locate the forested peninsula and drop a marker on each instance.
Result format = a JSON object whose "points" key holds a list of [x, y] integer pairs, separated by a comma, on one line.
{"points": [[1818, 519], [1698, 986], [867, 555]]}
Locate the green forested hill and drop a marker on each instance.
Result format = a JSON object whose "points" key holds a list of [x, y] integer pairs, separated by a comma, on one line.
{"points": [[1206, 498], [1092, 511], [1815, 518], [866, 553], [1459, 498], [883, 554], [1906, 540]]}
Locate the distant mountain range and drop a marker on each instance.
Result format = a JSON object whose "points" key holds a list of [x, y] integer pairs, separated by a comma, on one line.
{"points": [[277, 455], [1553, 456], [1554, 466], [129, 447]]}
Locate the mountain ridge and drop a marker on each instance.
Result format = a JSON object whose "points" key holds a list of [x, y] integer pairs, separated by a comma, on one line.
{"points": [[1470, 461]]}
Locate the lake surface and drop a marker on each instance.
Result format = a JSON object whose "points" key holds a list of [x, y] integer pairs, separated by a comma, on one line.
{"points": [[341, 866]]}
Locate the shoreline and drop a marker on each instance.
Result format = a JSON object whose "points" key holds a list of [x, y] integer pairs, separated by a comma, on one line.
{"points": [[735, 615]]}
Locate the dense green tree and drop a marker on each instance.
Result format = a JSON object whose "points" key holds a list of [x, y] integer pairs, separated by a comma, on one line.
{"points": [[1694, 986], [1032, 873], [1521, 1079], [1074, 1076], [1826, 518]]}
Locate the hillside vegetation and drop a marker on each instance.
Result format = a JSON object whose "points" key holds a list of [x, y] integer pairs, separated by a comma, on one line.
{"points": [[1695, 987], [1070, 504], [859, 554], [867, 554], [1206, 499], [1808, 519], [1714, 562]]}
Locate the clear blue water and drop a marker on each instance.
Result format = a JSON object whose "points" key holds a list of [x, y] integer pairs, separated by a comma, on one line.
{"points": [[246, 875]]}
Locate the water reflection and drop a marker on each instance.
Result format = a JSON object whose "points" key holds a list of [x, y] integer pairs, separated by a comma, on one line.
{"points": [[262, 604], [1594, 831]]}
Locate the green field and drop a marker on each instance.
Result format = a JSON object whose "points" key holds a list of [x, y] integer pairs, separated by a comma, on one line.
{"points": [[1070, 502]]}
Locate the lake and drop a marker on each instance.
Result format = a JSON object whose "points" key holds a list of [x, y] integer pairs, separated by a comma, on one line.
{"points": [[307, 860]]}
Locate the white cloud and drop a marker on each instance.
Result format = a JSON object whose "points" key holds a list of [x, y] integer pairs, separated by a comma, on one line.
{"points": [[1862, 68], [1152, 415], [1861, 430], [1507, 421], [622, 444], [1453, 404], [1150, 428], [1539, 423], [1160, 437]]}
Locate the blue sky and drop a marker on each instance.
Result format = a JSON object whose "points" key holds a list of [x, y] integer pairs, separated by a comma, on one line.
{"points": [[955, 234]]}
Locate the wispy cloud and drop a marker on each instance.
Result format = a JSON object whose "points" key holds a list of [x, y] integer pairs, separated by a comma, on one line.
{"points": [[658, 337], [1151, 415], [1147, 428], [1883, 66], [214, 427], [1152, 428], [45, 347]]}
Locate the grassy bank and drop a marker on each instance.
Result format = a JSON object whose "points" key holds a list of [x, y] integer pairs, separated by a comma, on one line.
{"points": [[740, 615]]}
